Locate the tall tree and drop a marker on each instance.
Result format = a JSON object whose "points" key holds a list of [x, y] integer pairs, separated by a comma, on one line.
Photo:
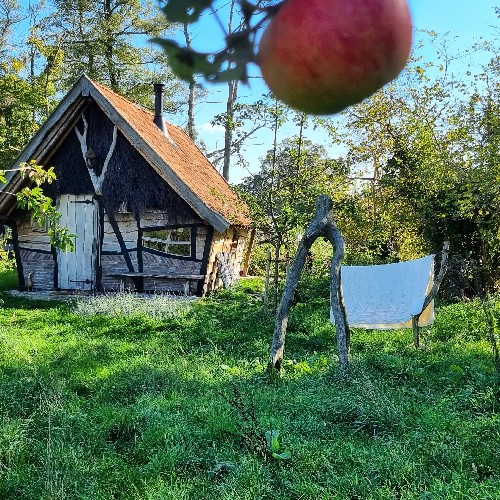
{"points": [[10, 16], [22, 104], [282, 194], [191, 131], [108, 40], [427, 143]]}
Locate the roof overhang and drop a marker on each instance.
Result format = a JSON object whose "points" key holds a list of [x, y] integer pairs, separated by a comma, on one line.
{"points": [[50, 134]]}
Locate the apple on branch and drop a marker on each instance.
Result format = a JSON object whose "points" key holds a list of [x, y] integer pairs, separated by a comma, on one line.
{"points": [[320, 56]]}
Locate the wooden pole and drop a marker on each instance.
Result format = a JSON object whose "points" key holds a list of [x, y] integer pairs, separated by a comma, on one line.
{"points": [[321, 225], [416, 330], [432, 294], [246, 262]]}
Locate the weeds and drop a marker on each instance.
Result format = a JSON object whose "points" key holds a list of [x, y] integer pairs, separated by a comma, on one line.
{"points": [[158, 306], [248, 427], [265, 444]]}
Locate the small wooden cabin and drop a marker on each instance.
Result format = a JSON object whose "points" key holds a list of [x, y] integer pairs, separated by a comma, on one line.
{"points": [[148, 209]]}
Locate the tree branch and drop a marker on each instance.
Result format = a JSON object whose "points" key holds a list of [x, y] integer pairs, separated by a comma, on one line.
{"points": [[321, 225]]}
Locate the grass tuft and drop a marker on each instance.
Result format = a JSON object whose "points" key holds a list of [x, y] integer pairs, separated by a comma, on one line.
{"points": [[157, 306]]}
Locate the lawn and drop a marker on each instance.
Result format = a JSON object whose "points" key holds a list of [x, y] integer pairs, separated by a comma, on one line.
{"points": [[107, 401]]}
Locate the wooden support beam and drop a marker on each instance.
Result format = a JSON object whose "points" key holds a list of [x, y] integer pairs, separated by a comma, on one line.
{"points": [[17, 254], [138, 282], [206, 255], [432, 294], [246, 260]]}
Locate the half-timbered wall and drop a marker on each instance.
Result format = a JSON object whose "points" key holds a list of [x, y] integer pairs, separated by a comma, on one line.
{"points": [[232, 242], [144, 260], [35, 252], [95, 161]]}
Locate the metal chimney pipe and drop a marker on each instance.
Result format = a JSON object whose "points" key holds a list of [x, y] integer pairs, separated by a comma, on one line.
{"points": [[158, 119]]}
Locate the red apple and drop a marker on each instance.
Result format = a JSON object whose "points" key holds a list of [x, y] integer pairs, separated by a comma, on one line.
{"points": [[320, 56]]}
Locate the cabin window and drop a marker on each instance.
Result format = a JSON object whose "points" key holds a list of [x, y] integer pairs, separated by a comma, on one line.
{"points": [[172, 241], [40, 224]]}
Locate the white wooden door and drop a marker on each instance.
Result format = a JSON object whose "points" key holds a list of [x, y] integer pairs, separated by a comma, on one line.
{"points": [[76, 270]]}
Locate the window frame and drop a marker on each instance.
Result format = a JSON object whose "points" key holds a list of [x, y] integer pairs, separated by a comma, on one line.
{"points": [[190, 244]]}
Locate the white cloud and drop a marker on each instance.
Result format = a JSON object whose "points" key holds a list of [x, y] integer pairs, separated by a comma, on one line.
{"points": [[211, 129]]}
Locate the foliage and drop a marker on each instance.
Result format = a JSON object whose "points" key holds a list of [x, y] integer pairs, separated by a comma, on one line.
{"points": [[122, 406], [8, 279], [424, 154], [264, 444], [41, 206], [243, 121], [29, 69], [231, 62], [19, 102], [281, 196], [105, 40]]}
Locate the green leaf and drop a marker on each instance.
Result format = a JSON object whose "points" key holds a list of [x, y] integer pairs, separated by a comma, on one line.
{"points": [[283, 456], [186, 62], [229, 75], [185, 11], [273, 444]]}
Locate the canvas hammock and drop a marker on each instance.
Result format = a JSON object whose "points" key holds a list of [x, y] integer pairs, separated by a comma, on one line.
{"points": [[388, 296]]}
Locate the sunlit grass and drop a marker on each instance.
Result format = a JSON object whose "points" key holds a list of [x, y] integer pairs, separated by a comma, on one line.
{"points": [[157, 306]]}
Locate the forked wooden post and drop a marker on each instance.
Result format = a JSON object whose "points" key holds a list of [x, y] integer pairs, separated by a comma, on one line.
{"points": [[321, 225], [432, 294]]}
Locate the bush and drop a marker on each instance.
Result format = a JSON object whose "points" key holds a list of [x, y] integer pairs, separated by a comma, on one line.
{"points": [[464, 320], [8, 279]]}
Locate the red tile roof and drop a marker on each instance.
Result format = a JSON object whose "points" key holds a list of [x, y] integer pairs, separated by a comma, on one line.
{"points": [[184, 158]]}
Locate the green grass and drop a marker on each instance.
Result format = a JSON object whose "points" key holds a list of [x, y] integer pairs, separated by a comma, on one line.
{"points": [[8, 279], [131, 405]]}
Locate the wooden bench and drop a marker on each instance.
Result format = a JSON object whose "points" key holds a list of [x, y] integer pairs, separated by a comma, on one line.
{"points": [[186, 279]]}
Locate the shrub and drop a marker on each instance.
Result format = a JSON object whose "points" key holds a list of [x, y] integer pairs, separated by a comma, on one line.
{"points": [[464, 320]]}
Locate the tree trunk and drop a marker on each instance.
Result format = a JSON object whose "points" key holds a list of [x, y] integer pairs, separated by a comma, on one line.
{"points": [[432, 294], [321, 225], [232, 95], [190, 118], [277, 257], [229, 126], [109, 48]]}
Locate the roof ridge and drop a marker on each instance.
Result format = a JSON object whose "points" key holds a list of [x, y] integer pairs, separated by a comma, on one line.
{"points": [[138, 106]]}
